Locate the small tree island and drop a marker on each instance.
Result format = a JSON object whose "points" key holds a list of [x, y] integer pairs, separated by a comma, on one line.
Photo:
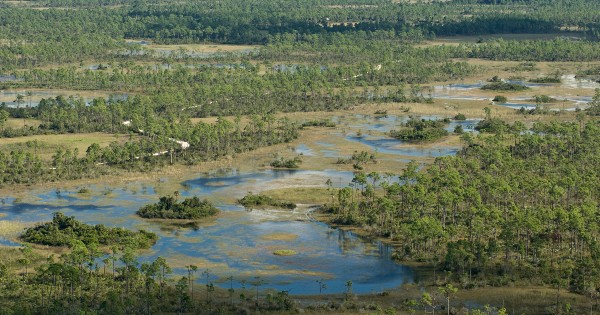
{"points": [[168, 208], [63, 230]]}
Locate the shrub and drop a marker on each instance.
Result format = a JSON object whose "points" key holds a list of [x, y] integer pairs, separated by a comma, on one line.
{"points": [[460, 116], [63, 230], [168, 208], [251, 200], [492, 125], [504, 86], [286, 163], [421, 130], [500, 99], [546, 80], [319, 123]]}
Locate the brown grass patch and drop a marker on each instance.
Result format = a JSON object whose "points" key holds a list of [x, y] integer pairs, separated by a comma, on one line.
{"points": [[286, 237], [300, 195], [11, 229]]}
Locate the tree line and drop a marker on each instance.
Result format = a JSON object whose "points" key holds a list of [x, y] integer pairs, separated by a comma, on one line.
{"points": [[512, 206]]}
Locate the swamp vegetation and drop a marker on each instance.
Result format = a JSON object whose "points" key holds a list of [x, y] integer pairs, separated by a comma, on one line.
{"points": [[198, 82]]}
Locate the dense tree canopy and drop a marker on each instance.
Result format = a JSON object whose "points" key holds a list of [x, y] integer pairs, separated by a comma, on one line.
{"points": [[496, 211], [64, 230], [168, 208]]}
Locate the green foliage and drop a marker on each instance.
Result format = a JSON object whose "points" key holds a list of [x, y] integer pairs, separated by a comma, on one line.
{"points": [[358, 159], [500, 99], [492, 125], [594, 109], [499, 210], [546, 80], [168, 208], [83, 190], [151, 149], [64, 230], [282, 162], [319, 123], [504, 86], [459, 130], [261, 201], [460, 116], [543, 99], [560, 49], [421, 130], [538, 110]]}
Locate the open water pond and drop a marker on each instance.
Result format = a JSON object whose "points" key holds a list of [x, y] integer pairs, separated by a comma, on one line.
{"points": [[374, 129], [238, 242], [396, 147]]}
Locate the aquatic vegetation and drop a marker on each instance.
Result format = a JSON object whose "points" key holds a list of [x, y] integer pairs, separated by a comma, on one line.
{"points": [[286, 237], [285, 252]]}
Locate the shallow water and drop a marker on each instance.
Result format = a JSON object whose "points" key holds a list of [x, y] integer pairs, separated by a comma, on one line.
{"points": [[8, 243], [571, 82], [517, 105], [479, 84], [303, 149], [239, 242], [395, 147]]}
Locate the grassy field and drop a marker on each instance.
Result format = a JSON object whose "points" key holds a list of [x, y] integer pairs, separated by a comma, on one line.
{"points": [[46, 145], [11, 229], [302, 195]]}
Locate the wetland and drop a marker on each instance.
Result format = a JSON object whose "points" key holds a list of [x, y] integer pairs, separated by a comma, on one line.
{"points": [[488, 204]]}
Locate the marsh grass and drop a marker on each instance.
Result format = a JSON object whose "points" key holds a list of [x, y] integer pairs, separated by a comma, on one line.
{"points": [[285, 252], [285, 237], [301, 195], [11, 229]]}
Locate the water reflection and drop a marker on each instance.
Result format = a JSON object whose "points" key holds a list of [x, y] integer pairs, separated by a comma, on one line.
{"points": [[238, 242]]}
